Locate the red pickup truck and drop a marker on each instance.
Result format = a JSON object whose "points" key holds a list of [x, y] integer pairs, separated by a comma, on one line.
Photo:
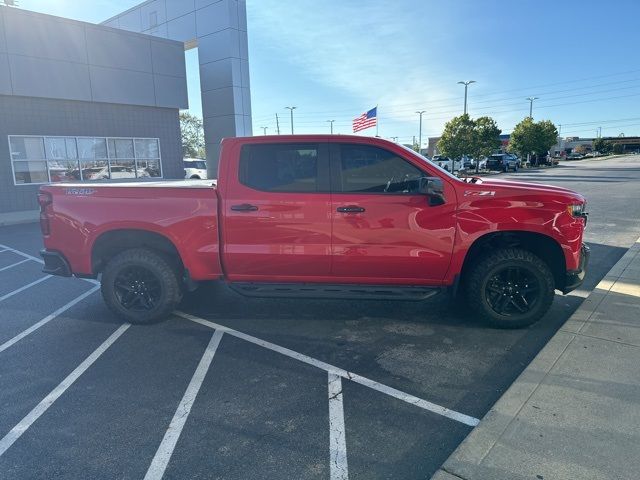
{"points": [[320, 216]]}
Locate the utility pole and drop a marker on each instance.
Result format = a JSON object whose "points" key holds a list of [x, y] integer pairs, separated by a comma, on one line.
{"points": [[291, 109], [599, 132], [466, 86], [277, 124], [531, 99], [331, 122], [420, 131], [264, 129]]}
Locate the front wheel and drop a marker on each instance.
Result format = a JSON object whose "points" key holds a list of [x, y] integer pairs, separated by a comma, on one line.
{"points": [[510, 288], [140, 286]]}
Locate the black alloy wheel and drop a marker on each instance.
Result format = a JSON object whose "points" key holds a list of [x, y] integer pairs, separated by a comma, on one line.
{"points": [[512, 290], [137, 289], [141, 286], [509, 288]]}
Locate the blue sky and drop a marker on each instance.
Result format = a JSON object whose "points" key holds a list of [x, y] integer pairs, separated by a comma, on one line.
{"points": [[334, 59]]}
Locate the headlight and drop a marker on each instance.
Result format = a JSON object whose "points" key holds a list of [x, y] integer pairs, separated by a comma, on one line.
{"points": [[575, 210], [578, 210]]}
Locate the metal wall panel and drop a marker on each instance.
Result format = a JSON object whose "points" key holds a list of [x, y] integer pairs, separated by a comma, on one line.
{"points": [[32, 35], [110, 48], [40, 77], [5, 75], [113, 85], [52, 57]]}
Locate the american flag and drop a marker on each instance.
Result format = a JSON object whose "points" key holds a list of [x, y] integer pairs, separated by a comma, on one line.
{"points": [[366, 120]]}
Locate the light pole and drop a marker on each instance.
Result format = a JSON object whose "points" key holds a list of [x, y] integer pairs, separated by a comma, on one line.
{"points": [[331, 122], [395, 139], [466, 86], [531, 99], [264, 129], [291, 109], [420, 131]]}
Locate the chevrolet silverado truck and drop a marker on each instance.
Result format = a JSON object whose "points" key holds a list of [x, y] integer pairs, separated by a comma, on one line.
{"points": [[318, 216]]}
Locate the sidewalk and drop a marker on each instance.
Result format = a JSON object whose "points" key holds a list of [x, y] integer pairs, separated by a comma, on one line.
{"points": [[574, 413]]}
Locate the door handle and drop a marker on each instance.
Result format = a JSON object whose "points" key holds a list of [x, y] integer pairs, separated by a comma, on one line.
{"points": [[244, 207], [350, 209]]}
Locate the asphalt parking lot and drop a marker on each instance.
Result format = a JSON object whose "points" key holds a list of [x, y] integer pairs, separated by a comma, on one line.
{"points": [[236, 388]]}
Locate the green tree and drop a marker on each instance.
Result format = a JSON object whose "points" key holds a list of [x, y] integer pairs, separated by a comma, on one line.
{"points": [[486, 138], [465, 136], [192, 133], [457, 137], [601, 145], [529, 137], [618, 148]]}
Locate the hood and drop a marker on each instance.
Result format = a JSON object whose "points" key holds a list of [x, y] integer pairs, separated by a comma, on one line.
{"points": [[511, 186]]}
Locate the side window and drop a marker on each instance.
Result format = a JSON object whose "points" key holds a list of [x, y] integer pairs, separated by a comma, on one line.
{"points": [[280, 167], [369, 169]]}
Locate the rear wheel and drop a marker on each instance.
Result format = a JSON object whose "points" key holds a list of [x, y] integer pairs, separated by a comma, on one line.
{"points": [[140, 286], [510, 288]]}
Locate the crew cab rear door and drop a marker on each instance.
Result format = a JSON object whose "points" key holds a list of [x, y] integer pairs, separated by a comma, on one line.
{"points": [[276, 213], [384, 230]]}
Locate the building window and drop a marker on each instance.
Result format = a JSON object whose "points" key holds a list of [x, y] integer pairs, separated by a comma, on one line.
{"points": [[70, 159]]}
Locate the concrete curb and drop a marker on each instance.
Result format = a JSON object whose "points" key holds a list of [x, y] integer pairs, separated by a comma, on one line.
{"points": [[16, 218], [466, 462]]}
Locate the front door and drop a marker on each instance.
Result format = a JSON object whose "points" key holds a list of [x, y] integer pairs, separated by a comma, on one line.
{"points": [[277, 224], [384, 230]]}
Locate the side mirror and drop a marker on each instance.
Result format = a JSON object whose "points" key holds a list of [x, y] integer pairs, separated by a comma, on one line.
{"points": [[433, 187]]}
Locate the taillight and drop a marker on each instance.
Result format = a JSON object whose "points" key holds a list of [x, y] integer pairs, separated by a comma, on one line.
{"points": [[44, 200]]}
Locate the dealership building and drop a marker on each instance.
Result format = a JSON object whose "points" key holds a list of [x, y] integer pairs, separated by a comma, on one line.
{"points": [[94, 103]]}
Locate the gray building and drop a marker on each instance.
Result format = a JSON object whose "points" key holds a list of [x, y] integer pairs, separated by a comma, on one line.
{"points": [[218, 29], [84, 102]]}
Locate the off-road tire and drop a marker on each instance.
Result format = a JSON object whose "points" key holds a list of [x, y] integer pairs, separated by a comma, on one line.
{"points": [[482, 272], [153, 265]]}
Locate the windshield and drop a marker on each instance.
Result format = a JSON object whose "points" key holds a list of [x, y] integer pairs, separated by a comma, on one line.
{"points": [[426, 160], [199, 164]]}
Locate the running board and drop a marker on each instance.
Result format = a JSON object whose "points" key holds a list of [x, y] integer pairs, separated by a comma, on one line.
{"points": [[328, 291]]}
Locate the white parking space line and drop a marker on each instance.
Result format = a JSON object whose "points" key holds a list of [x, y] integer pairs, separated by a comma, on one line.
{"points": [[22, 289], [14, 265], [46, 319], [167, 446], [17, 431], [7, 248], [4, 250], [338, 466], [432, 407], [36, 259]]}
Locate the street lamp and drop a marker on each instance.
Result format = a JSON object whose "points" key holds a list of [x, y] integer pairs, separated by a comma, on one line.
{"points": [[420, 134], [291, 109], [331, 122], [466, 86], [264, 129], [395, 139], [531, 99]]}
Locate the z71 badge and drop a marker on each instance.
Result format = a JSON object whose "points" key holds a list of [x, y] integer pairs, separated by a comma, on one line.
{"points": [[79, 191], [479, 193]]}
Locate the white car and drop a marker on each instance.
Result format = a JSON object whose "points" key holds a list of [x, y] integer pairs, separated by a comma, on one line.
{"points": [[446, 163], [195, 168]]}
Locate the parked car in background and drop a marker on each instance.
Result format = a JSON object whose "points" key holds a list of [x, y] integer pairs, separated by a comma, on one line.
{"points": [[504, 162], [575, 156], [447, 163], [195, 168]]}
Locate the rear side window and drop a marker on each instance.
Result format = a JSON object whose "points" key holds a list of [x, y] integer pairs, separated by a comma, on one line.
{"points": [[280, 168], [369, 169]]}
